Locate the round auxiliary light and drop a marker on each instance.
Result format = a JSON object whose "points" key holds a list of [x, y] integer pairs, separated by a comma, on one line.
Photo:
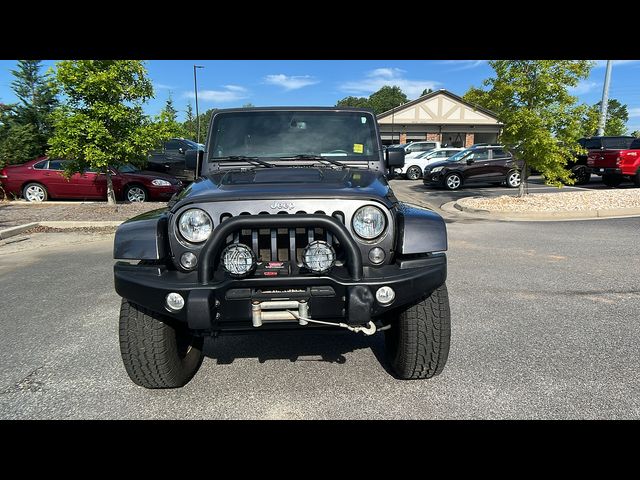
{"points": [[368, 222], [188, 260], [174, 302], [238, 259], [385, 295], [195, 225], [319, 256], [376, 255]]}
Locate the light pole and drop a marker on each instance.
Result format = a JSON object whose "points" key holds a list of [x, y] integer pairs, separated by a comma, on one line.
{"points": [[604, 104], [195, 87]]}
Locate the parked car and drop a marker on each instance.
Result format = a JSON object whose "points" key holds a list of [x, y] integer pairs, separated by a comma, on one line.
{"points": [[41, 179], [414, 149], [616, 161], [483, 164], [170, 159], [414, 167], [276, 236]]}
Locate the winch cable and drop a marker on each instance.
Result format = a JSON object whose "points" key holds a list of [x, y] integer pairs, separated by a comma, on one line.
{"points": [[370, 329]]}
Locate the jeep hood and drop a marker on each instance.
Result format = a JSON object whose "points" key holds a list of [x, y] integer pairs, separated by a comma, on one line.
{"points": [[287, 183]]}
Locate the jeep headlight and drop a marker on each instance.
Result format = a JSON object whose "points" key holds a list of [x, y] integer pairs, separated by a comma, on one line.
{"points": [[368, 222], [436, 169], [195, 225]]}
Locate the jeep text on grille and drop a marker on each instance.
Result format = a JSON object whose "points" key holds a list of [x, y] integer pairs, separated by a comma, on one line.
{"points": [[291, 225]]}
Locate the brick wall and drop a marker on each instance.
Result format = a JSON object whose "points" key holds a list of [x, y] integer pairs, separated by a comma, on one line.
{"points": [[468, 140], [434, 137]]}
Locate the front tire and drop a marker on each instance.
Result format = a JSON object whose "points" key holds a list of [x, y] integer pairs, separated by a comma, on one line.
{"points": [[414, 173], [136, 193], [453, 181], [417, 343], [35, 192], [155, 352], [612, 180]]}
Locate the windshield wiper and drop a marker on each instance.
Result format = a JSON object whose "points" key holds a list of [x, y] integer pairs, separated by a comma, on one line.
{"points": [[313, 157], [243, 158]]}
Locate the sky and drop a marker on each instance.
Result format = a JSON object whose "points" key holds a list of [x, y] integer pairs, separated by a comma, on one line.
{"points": [[233, 83]]}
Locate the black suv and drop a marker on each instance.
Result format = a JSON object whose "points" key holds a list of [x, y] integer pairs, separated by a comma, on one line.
{"points": [[481, 164], [292, 226]]}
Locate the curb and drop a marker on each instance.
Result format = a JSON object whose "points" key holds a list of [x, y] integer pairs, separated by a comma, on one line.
{"points": [[576, 215], [12, 231]]}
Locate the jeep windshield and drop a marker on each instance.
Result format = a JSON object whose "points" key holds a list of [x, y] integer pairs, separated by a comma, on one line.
{"points": [[300, 135]]}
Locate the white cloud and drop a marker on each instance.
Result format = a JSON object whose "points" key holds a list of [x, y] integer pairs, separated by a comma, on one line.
{"points": [[634, 112], [583, 87], [163, 86], [616, 63], [293, 82], [230, 93], [378, 78], [464, 64]]}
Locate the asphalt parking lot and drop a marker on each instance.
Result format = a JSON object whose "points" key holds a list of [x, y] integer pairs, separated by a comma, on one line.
{"points": [[544, 321]]}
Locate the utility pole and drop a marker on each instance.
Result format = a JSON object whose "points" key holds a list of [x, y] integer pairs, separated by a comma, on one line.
{"points": [[604, 105], [195, 87]]}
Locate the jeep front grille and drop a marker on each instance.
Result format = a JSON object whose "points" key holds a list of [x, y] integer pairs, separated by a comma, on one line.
{"points": [[284, 244]]}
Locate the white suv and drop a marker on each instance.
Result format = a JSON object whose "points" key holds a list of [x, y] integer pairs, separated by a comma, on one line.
{"points": [[414, 149], [414, 166]]}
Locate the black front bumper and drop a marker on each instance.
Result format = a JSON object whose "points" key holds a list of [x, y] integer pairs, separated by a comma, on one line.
{"points": [[224, 303], [605, 171], [433, 178]]}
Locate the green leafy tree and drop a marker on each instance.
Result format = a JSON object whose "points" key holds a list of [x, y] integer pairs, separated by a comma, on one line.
{"points": [[205, 119], [616, 123], [426, 91], [635, 133], [356, 102], [387, 98], [541, 118], [103, 123]]}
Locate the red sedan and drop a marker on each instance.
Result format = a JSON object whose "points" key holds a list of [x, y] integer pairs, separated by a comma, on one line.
{"points": [[41, 179]]}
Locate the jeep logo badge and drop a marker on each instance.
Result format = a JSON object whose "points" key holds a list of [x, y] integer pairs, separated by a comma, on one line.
{"points": [[282, 206]]}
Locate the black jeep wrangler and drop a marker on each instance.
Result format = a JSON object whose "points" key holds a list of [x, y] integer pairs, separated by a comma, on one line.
{"points": [[291, 225]]}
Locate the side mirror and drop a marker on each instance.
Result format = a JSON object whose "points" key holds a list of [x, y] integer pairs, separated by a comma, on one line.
{"points": [[394, 157], [471, 161], [193, 161], [408, 150]]}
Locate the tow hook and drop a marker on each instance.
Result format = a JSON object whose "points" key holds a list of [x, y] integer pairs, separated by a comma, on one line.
{"points": [[369, 329]]}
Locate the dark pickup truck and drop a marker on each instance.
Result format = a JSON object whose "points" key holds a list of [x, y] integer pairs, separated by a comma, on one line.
{"points": [[616, 161], [170, 159]]}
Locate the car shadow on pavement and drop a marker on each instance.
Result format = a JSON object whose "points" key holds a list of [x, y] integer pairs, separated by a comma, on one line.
{"points": [[304, 346]]}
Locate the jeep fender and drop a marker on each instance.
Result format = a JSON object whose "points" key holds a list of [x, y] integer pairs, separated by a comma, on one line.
{"points": [[420, 230], [143, 237]]}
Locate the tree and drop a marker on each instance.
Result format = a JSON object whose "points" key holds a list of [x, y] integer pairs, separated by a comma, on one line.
{"points": [[356, 102], [248, 105], [103, 124], [426, 91], [541, 119], [387, 98], [616, 123], [166, 123], [635, 133], [27, 124], [189, 124]]}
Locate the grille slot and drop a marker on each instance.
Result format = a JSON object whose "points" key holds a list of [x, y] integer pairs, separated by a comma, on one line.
{"points": [[283, 244]]}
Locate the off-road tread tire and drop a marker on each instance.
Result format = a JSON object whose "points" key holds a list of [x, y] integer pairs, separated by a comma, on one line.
{"points": [[418, 342], [149, 349]]}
